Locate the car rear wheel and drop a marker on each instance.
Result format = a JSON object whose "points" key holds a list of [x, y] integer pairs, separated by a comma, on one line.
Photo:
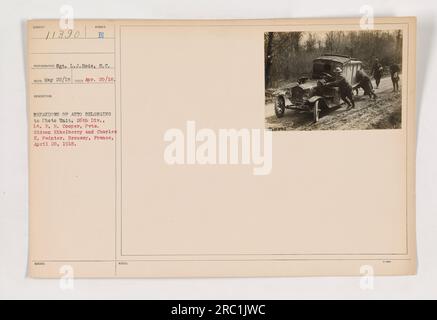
{"points": [[280, 106]]}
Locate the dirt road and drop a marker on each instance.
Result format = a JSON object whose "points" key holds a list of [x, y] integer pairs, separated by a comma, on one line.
{"points": [[384, 112]]}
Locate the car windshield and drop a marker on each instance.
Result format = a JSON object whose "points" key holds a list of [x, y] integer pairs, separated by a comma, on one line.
{"points": [[323, 66]]}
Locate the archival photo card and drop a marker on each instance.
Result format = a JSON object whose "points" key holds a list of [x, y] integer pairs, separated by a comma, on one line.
{"points": [[222, 148]]}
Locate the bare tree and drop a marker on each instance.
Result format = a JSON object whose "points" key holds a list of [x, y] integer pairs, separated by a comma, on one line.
{"points": [[268, 57]]}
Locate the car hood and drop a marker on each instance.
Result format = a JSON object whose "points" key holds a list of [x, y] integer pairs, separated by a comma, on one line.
{"points": [[308, 85], [305, 87]]}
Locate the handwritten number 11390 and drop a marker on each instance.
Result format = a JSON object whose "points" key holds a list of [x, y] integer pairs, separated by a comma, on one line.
{"points": [[67, 34]]}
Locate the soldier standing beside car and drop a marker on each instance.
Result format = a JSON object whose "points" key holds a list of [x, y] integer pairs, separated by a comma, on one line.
{"points": [[344, 87], [365, 83], [394, 73], [377, 72]]}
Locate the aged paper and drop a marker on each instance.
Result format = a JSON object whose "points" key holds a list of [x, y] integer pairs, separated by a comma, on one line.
{"points": [[197, 148]]}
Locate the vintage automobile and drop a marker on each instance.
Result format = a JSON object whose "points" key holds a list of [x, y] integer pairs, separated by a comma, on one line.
{"points": [[311, 94]]}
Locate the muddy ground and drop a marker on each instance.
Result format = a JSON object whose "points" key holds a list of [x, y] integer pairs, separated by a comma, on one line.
{"points": [[382, 113]]}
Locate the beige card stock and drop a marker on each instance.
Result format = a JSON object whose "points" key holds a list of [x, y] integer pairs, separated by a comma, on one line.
{"points": [[158, 149]]}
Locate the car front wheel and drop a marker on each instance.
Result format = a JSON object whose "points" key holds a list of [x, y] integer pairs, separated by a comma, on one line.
{"points": [[280, 106]]}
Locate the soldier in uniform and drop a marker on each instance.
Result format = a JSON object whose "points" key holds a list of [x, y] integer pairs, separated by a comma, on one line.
{"points": [[377, 72], [394, 73], [344, 87], [365, 83]]}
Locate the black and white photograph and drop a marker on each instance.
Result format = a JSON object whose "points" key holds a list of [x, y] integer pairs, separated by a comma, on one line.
{"points": [[334, 80]]}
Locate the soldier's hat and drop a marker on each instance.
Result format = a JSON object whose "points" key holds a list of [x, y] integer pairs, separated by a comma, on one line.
{"points": [[338, 70]]}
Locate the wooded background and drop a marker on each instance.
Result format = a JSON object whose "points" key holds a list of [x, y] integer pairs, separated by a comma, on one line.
{"points": [[289, 55]]}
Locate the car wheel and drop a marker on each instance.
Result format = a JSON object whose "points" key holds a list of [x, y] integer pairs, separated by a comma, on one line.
{"points": [[317, 110], [280, 106]]}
